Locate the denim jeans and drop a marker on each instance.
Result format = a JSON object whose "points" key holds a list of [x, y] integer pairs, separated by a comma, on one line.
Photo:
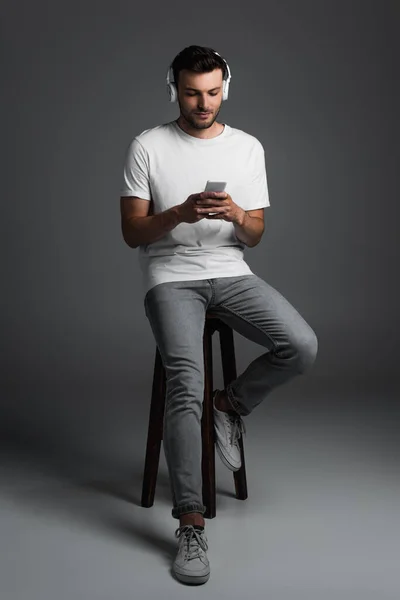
{"points": [[250, 306]]}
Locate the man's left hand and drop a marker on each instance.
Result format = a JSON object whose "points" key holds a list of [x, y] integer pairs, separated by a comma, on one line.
{"points": [[225, 208]]}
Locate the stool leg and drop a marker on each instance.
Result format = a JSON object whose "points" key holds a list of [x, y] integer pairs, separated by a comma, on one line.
{"points": [[229, 374], [155, 433], [207, 424]]}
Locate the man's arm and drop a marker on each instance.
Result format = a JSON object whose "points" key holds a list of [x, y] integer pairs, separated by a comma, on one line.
{"points": [[249, 227], [139, 227]]}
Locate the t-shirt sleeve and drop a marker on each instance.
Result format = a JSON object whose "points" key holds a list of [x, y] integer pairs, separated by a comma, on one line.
{"points": [[258, 186], [136, 172]]}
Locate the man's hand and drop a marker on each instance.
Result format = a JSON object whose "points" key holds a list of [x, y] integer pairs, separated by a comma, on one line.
{"points": [[197, 207], [225, 208]]}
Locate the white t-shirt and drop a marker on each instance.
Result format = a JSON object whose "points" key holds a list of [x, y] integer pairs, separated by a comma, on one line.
{"points": [[166, 165]]}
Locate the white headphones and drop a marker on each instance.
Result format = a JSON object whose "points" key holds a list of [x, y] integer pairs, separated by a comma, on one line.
{"points": [[173, 92]]}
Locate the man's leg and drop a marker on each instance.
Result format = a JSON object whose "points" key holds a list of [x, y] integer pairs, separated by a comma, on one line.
{"points": [[176, 312], [260, 313]]}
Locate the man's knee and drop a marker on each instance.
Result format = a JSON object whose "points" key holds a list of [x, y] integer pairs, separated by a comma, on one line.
{"points": [[307, 351]]}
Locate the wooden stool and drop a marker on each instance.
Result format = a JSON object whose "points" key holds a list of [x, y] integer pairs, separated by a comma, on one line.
{"points": [[155, 430]]}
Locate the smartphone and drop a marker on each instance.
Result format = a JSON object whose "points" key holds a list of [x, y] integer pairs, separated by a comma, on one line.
{"points": [[215, 186]]}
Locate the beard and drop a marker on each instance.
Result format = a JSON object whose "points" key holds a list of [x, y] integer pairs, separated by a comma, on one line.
{"points": [[195, 122]]}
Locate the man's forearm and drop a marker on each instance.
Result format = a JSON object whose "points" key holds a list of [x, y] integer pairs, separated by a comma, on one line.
{"points": [[146, 230], [249, 229]]}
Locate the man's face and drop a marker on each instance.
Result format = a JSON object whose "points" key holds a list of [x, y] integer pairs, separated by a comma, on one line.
{"points": [[200, 93]]}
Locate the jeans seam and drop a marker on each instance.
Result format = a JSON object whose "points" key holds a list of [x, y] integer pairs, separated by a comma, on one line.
{"points": [[212, 292]]}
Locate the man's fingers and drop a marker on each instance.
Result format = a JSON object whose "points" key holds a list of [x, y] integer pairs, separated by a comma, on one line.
{"points": [[214, 195], [210, 198]]}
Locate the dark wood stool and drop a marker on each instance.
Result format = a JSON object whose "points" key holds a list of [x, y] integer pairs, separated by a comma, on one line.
{"points": [[155, 430]]}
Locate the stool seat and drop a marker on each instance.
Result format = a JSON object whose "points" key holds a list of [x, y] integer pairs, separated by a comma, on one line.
{"points": [[156, 418]]}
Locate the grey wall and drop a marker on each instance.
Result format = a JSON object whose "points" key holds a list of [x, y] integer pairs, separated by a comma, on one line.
{"points": [[315, 82]]}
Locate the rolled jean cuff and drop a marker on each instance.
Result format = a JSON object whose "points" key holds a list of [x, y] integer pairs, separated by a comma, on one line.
{"points": [[233, 402], [190, 507]]}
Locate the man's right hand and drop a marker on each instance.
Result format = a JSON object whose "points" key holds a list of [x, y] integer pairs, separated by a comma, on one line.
{"points": [[188, 211]]}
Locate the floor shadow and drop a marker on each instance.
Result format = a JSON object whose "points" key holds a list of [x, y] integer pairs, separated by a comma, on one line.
{"points": [[45, 483], [130, 490], [50, 484]]}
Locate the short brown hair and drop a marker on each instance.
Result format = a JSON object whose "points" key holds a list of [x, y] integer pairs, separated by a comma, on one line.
{"points": [[199, 59]]}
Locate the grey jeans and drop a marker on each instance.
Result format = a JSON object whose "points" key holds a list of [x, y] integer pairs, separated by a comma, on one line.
{"points": [[176, 313]]}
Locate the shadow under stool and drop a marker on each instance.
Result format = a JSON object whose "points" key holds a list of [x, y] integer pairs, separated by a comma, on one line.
{"points": [[156, 418]]}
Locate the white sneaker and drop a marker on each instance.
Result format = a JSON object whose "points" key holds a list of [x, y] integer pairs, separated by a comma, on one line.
{"points": [[228, 428], [191, 564]]}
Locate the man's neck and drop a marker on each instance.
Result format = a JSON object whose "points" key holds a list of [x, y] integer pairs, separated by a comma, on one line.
{"points": [[214, 131]]}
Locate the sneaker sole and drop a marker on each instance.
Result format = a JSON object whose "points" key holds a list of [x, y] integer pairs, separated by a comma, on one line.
{"points": [[224, 459], [191, 579]]}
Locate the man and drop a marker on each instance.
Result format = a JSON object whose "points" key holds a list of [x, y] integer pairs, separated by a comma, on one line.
{"points": [[191, 254]]}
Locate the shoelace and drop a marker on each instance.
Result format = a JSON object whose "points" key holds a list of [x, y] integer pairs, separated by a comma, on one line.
{"points": [[193, 540], [236, 427]]}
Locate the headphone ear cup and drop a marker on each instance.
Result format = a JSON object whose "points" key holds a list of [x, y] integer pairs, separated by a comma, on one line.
{"points": [[173, 96], [225, 90], [174, 92]]}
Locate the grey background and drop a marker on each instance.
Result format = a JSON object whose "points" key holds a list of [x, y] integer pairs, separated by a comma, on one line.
{"points": [[317, 84]]}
